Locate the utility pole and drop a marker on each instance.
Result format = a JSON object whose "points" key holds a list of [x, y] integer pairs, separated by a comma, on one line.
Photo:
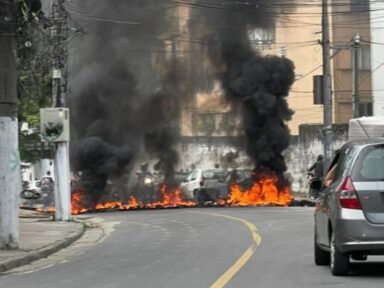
{"points": [[10, 175], [327, 89], [355, 76], [59, 36]]}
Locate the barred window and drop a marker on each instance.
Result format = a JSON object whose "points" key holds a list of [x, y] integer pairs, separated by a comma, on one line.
{"points": [[359, 5]]}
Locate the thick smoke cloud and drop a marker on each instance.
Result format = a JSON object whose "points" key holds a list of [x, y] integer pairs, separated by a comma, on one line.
{"points": [[259, 84], [121, 100], [115, 90], [262, 84]]}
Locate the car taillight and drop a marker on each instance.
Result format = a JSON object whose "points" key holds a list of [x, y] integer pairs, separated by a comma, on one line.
{"points": [[348, 196]]}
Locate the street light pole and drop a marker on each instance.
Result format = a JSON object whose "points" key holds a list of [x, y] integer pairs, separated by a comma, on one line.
{"points": [[327, 89]]}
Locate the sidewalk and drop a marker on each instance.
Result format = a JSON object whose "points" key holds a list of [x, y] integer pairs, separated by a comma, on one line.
{"points": [[39, 237]]}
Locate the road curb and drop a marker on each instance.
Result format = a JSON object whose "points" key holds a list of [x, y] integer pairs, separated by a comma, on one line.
{"points": [[43, 252]]}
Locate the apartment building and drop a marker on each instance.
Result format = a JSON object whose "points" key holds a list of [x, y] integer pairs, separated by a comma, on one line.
{"points": [[349, 19]]}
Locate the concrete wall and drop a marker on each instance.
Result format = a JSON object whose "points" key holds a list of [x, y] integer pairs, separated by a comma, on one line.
{"points": [[304, 150], [206, 152]]}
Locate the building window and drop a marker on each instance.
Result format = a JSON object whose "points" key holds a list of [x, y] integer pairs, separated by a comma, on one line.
{"points": [[262, 38], [227, 123], [207, 123], [359, 5], [365, 109], [364, 58]]}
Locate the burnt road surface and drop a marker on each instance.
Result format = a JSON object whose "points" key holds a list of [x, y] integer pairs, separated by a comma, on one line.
{"points": [[202, 247]]}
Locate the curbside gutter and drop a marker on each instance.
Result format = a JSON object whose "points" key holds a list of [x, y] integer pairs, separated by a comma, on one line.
{"points": [[41, 253]]}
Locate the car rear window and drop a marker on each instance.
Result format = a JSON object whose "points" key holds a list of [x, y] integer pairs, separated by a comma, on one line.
{"points": [[370, 164], [213, 174], [241, 175]]}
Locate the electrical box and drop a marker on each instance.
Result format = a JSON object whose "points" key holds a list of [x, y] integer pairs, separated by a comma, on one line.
{"points": [[54, 124]]}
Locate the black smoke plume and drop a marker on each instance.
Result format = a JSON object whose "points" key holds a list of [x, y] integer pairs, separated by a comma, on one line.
{"points": [[161, 138], [161, 115], [262, 83], [102, 118], [258, 83], [115, 101], [97, 161]]}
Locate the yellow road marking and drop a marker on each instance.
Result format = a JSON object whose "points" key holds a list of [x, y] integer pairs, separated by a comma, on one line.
{"points": [[228, 275]]}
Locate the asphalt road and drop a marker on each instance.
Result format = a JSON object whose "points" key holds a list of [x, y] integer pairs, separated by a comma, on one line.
{"points": [[215, 247]]}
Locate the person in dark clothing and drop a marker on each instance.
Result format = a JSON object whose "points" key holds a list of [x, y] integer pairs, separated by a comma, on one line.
{"points": [[317, 171], [318, 168], [47, 188]]}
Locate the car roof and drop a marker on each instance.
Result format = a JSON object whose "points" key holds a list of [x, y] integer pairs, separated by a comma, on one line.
{"points": [[364, 142]]}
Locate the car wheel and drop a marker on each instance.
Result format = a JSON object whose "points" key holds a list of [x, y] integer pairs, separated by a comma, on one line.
{"points": [[195, 194], [198, 197], [201, 198], [322, 258], [339, 261]]}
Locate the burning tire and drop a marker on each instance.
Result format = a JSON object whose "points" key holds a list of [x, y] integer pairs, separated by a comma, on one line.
{"points": [[200, 196]]}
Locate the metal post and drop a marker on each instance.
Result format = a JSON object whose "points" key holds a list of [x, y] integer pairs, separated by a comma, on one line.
{"points": [[59, 51], [355, 76], [327, 89], [10, 174]]}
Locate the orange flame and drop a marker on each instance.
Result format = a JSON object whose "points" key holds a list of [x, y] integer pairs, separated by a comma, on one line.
{"points": [[262, 192], [78, 202], [170, 198], [133, 203]]}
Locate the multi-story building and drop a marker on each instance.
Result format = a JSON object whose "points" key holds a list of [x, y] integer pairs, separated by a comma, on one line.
{"points": [[349, 19], [295, 36], [207, 118], [207, 121]]}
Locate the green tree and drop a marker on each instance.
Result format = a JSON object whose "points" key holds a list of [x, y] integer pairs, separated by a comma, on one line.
{"points": [[34, 78]]}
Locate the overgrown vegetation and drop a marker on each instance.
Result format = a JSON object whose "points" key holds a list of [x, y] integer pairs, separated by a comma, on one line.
{"points": [[34, 78]]}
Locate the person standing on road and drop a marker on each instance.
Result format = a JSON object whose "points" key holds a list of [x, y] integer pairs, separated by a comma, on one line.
{"points": [[47, 188], [317, 170]]}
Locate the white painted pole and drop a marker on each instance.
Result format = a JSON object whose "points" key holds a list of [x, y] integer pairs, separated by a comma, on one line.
{"points": [[10, 183], [10, 173], [62, 183]]}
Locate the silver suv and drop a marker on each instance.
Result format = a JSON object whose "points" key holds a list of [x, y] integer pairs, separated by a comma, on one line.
{"points": [[349, 215]]}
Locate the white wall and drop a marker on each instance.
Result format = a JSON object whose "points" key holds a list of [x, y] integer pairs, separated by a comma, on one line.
{"points": [[300, 155]]}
